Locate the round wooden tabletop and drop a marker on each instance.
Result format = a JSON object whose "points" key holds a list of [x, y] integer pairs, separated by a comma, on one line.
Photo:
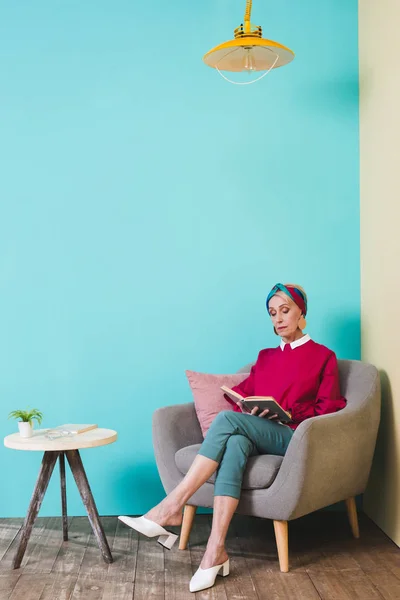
{"points": [[41, 440]]}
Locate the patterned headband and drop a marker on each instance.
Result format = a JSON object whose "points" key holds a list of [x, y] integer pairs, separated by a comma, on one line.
{"points": [[297, 295]]}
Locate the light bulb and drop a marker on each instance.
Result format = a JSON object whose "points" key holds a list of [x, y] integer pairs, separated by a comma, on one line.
{"points": [[249, 62]]}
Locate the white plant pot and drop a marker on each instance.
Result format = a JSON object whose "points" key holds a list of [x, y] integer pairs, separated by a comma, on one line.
{"points": [[25, 429]]}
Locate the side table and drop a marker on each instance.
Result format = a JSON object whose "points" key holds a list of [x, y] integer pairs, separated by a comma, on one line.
{"points": [[58, 449]]}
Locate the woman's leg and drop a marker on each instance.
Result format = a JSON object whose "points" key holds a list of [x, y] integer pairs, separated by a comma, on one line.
{"points": [[169, 511], [224, 509], [267, 436], [226, 497]]}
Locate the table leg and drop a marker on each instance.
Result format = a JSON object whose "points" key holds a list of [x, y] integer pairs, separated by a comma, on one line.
{"points": [[75, 462], [63, 497], [48, 462]]}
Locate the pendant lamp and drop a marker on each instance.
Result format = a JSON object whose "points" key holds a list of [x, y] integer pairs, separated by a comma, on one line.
{"points": [[248, 52]]}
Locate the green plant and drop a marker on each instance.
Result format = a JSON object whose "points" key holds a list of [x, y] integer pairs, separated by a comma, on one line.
{"points": [[27, 416]]}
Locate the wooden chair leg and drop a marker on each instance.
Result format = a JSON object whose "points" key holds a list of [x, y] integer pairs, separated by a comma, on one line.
{"points": [[188, 516], [352, 514], [282, 542]]}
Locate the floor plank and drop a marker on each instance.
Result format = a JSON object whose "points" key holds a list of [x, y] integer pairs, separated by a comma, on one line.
{"points": [[29, 587], [149, 581], [282, 586], [381, 557], [9, 529], [88, 589], [57, 587], [177, 572], [93, 566], [8, 558], [324, 542], [118, 590], [7, 584], [71, 553], [44, 554], [344, 585], [124, 550], [387, 584], [258, 547]]}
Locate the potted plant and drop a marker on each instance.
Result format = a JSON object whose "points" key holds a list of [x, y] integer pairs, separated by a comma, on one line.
{"points": [[25, 420]]}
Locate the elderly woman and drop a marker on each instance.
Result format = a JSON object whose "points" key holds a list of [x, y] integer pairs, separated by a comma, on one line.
{"points": [[303, 377]]}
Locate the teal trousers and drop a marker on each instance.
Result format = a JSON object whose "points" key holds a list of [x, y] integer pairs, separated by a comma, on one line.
{"points": [[232, 438]]}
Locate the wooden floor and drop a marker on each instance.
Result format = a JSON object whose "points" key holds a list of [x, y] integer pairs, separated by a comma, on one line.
{"points": [[326, 563]]}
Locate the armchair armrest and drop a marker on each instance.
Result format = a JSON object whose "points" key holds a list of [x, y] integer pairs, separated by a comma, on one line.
{"points": [[328, 459], [174, 427]]}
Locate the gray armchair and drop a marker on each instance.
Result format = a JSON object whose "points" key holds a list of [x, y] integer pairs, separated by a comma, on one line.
{"points": [[328, 459]]}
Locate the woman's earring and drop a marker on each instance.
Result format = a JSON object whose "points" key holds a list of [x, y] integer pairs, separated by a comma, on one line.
{"points": [[302, 322]]}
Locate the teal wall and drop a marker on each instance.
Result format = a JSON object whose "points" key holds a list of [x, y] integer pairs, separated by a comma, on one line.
{"points": [[147, 207]]}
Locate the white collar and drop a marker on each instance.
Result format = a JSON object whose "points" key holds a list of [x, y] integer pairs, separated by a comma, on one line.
{"points": [[303, 340]]}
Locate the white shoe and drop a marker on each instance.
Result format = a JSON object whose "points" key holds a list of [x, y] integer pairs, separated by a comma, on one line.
{"points": [[205, 578], [151, 529]]}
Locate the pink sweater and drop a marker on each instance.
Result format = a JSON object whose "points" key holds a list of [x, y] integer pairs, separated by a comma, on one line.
{"points": [[303, 379]]}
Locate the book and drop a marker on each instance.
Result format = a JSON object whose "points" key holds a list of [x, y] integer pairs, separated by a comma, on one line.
{"points": [[75, 428], [263, 403]]}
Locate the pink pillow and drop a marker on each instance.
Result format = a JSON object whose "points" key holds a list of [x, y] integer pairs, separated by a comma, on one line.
{"points": [[208, 397]]}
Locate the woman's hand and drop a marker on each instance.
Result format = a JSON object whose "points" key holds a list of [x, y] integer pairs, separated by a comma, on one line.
{"points": [[263, 414]]}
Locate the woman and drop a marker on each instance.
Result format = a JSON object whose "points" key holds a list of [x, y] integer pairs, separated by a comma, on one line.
{"points": [[303, 377]]}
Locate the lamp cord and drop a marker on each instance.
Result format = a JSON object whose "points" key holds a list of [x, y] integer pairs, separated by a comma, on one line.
{"points": [[247, 12]]}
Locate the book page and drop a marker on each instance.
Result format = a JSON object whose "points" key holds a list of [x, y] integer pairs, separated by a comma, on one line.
{"points": [[234, 396]]}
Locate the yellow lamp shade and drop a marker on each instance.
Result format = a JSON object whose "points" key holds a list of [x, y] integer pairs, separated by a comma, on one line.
{"points": [[248, 54]]}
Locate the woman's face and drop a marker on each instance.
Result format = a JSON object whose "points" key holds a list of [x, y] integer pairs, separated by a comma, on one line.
{"points": [[285, 315]]}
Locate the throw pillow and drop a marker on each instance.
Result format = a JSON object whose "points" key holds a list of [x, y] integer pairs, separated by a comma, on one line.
{"points": [[208, 397]]}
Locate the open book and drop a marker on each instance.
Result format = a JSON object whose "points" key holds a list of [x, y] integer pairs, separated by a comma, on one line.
{"points": [[263, 403]]}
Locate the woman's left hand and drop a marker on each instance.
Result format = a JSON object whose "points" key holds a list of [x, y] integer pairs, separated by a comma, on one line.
{"points": [[263, 414], [267, 414]]}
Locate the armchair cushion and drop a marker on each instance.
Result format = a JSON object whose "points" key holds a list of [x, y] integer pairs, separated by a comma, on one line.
{"points": [[259, 474]]}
